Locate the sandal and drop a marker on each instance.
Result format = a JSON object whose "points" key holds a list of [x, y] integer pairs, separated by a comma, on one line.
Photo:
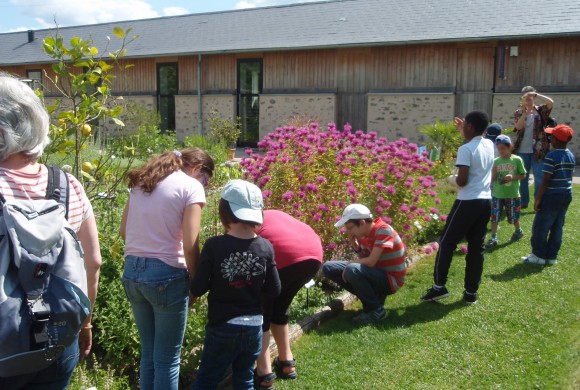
{"points": [[260, 379], [280, 365]]}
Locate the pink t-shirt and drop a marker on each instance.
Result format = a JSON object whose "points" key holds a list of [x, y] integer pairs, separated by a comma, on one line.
{"points": [[293, 241], [154, 220]]}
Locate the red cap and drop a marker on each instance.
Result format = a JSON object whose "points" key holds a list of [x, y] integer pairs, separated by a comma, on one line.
{"points": [[562, 132]]}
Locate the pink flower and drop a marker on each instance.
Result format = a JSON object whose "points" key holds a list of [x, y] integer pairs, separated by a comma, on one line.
{"points": [[427, 218], [287, 195], [443, 217], [331, 246], [321, 179], [316, 217], [266, 194], [390, 190], [463, 249], [346, 171], [428, 250]]}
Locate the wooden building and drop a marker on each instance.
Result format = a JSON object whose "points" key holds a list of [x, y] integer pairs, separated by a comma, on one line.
{"points": [[380, 65]]}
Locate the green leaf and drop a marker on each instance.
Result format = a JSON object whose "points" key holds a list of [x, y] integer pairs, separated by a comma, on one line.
{"points": [[119, 32], [88, 176], [93, 51], [118, 122], [75, 41]]}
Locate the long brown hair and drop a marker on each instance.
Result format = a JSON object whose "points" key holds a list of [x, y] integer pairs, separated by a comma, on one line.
{"points": [[158, 168]]}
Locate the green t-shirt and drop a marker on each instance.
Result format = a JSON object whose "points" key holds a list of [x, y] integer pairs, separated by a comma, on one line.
{"points": [[505, 166]]}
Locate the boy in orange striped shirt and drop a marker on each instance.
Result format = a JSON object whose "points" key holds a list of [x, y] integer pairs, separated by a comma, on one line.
{"points": [[380, 268]]}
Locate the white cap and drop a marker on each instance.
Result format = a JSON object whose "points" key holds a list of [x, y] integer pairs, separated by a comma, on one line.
{"points": [[354, 211], [245, 200]]}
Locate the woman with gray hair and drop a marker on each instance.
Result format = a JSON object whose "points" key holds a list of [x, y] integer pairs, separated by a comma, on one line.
{"points": [[24, 125]]}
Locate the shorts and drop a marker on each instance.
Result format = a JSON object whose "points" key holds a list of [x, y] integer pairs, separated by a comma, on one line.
{"points": [[292, 279], [512, 207]]}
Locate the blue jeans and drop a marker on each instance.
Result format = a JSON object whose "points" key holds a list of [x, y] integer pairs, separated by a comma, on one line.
{"points": [[227, 344], [55, 377], [548, 225], [370, 285], [535, 167], [159, 296]]}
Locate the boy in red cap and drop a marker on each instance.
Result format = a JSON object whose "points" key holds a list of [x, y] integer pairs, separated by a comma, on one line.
{"points": [[553, 198]]}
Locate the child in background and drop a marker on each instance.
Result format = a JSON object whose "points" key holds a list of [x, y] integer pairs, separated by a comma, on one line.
{"points": [[239, 271], [508, 170], [553, 198], [380, 268], [470, 212], [492, 132]]}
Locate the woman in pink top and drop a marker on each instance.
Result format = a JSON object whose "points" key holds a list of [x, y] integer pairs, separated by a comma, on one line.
{"points": [[160, 227], [298, 255], [23, 136]]}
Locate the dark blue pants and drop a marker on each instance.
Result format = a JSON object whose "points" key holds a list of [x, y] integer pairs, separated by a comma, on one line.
{"points": [[227, 344], [468, 218], [549, 223]]}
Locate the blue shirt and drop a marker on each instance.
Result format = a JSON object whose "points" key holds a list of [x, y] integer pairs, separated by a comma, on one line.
{"points": [[560, 164]]}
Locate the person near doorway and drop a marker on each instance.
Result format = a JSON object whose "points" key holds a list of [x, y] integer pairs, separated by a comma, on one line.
{"points": [[532, 143]]}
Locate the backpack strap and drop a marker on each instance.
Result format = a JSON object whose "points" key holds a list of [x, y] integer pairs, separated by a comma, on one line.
{"points": [[58, 186]]}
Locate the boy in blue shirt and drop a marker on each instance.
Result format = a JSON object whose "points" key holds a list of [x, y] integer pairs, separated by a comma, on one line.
{"points": [[553, 198]]}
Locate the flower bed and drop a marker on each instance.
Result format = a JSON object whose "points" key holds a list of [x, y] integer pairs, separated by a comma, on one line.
{"points": [[313, 174]]}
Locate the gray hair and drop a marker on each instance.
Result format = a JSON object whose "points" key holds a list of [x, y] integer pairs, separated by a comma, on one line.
{"points": [[23, 120], [527, 89]]}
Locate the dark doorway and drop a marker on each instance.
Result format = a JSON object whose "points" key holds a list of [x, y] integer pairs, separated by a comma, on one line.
{"points": [[250, 82], [167, 85]]}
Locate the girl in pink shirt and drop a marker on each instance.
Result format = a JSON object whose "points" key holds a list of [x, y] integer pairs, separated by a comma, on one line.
{"points": [[160, 226]]}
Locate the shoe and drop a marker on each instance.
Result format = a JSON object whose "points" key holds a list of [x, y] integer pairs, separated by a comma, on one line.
{"points": [[268, 379], [533, 259], [551, 261], [492, 243], [517, 235], [469, 298], [434, 295], [371, 317]]}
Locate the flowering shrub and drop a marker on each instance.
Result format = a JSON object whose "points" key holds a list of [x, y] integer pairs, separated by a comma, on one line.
{"points": [[313, 174]]}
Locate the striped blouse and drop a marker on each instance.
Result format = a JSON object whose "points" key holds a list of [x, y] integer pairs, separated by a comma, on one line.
{"points": [[18, 185]]}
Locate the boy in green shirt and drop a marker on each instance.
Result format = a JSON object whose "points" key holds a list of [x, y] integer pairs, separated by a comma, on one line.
{"points": [[508, 170]]}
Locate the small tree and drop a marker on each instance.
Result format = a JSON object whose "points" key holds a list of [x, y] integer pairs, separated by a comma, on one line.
{"points": [[224, 130], [82, 79], [444, 137]]}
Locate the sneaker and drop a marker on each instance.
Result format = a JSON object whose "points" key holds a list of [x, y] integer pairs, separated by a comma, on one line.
{"points": [[433, 294], [492, 243], [533, 259], [517, 235], [469, 298], [551, 261], [371, 317]]}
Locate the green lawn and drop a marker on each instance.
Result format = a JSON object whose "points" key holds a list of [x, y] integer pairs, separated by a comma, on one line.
{"points": [[523, 333]]}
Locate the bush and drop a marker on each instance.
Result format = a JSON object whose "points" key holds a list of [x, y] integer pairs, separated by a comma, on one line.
{"points": [[445, 139], [313, 174]]}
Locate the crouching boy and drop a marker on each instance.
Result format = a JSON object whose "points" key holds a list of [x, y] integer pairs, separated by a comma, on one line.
{"points": [[380, 268]]}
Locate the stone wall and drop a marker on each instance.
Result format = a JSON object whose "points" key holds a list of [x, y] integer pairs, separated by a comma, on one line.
{"points": [[186, 112], [396, 115], [566, 111], [277, 109]]}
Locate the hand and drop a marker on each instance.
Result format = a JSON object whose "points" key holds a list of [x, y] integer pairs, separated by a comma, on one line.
{"points": [[192, 300], [85, 341], [353, 241], [459, 124], [507, 178], [537, 205]]}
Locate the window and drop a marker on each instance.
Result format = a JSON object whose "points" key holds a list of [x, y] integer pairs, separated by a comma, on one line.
{"points": [[249, 90], [167, 85], [34, 79]]}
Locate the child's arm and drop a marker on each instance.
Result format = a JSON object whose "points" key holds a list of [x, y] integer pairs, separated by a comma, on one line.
{"points": [[462, 175], [494, 173], [371, 260], [543, 187], [200, 283], [272, 285]]}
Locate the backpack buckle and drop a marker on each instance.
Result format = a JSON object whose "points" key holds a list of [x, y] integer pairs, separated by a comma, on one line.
{"points": [[40, 313]]}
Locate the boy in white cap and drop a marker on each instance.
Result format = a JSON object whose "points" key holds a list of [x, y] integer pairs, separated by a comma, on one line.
{"points": [[239, 271], [380, 267], [508, 170]]}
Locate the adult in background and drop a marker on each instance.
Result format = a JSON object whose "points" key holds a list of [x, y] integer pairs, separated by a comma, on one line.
{"points": [[23, 137], [532, 144], [160, 226], [298, 255]]}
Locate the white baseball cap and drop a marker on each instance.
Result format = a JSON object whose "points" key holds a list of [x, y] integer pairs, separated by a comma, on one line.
{"points": [[245, 200], [354, 211]]}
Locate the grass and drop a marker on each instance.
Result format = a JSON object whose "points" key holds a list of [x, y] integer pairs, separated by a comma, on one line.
{"points": [[523, 333]]}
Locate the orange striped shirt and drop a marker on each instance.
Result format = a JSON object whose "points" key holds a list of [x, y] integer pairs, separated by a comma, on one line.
{"points": [[25, 186]]}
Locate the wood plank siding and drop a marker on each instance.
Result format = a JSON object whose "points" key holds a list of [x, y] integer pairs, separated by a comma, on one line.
{"points": [[470, 71]]}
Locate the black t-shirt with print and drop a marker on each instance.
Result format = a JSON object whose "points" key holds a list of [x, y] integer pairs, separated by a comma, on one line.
{"points": [[238, 273]]}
